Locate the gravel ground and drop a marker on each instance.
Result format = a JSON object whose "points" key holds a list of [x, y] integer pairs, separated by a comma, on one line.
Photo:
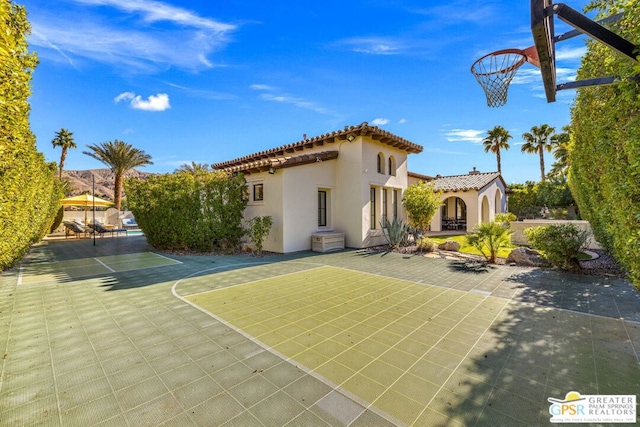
{"points": [[603, 265]]}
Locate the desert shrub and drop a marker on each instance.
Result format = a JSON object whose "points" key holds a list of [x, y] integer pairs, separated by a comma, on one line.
{"points": [[489, 238], [503, 217], [396, 232], [257, 230], [426, 245], [561, 244], [558, 213]]}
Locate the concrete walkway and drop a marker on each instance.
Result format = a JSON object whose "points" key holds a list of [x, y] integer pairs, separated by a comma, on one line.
{"points": [[100, 335]]}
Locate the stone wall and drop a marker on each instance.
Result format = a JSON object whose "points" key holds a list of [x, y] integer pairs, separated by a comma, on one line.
{"points": [[519, 238]]}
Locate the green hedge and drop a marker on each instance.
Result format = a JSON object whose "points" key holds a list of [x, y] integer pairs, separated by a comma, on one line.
{"points": [[604, 150], [187, 211], [29, 189]]}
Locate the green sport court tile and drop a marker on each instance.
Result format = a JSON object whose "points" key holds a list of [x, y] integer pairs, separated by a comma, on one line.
{"points": [[352, 328], [85, 267]]}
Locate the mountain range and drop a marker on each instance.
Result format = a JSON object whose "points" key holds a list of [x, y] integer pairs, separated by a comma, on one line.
{"points": [[82, 181]]}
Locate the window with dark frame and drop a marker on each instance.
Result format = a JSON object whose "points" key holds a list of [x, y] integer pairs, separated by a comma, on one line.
{"points": [[380, 163], [258, 192], [322, 208], [394, 203], [385, 204], [373, 208]]}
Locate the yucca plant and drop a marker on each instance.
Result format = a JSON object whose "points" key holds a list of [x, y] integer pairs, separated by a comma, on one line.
{"points": [[489, 238], [396, 232]]}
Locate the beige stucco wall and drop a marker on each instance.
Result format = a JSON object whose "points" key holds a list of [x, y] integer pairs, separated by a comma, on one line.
{"points": [[291, 195]]}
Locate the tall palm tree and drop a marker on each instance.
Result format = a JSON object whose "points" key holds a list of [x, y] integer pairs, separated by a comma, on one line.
{"points": [[120, 157], [63, 139], [193, 168], [560, 153], [497, 138], [537, 141]]}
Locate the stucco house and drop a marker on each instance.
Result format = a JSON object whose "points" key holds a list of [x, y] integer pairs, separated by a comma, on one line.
{"points": [[467, 199], [344, 182]]}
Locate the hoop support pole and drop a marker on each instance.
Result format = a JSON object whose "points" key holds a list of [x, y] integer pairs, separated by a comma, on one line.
{"points": [[594, 30]]}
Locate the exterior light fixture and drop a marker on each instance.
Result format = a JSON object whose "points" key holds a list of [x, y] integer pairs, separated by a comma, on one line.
{"points": [[272, 170], [351, 137]]}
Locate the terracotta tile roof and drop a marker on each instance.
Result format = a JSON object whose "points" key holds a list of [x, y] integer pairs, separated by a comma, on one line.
{"points": [[472, 181], [363, 129], [419, 176], [262, 165]]}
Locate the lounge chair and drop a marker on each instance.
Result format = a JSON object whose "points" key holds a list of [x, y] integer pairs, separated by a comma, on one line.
{"points": [[101, 229], [75, 228], [129, 223]]}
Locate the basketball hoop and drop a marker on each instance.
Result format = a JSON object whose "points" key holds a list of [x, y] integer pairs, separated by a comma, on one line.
{"points": [[495, 72]]}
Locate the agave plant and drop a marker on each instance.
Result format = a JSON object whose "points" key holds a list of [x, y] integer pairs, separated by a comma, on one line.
{"points": [[396, 232]]}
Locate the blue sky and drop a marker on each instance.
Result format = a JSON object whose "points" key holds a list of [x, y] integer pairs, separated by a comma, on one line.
{"points": [[206, 81]]}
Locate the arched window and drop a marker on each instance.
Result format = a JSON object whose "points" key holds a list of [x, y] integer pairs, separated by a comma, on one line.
{"points": [[392, 166], [381, 163]]}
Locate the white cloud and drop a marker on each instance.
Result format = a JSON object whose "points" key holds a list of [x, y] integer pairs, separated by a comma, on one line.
{"points": [[465, 135], [159, 102], [138, 35], [271, 93], [374, 45], [379, 121], [402, 121]]}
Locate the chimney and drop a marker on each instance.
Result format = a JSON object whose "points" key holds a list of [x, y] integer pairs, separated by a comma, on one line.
{"points": [[474, 171]]}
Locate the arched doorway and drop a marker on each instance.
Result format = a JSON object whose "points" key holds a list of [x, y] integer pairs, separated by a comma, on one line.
{"points": [[453, 214], [485, 209], [498, 205]]}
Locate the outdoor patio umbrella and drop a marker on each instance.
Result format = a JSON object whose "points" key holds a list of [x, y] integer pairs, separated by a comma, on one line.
{"points": [[86, 201]]}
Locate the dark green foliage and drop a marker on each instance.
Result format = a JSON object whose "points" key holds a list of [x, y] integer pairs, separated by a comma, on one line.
{"points": [[604, 149], [258, 229], [489, 238], [185, 211], [396, 232], [527, 200], [29, 190], [561, 244], [421, 201]]}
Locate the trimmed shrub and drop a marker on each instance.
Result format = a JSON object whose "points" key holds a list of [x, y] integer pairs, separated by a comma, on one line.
{"points": [[199, 212], [560, 244], [29, 190]]}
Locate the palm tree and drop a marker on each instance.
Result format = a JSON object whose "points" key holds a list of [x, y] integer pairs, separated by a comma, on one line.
{"points": [[497, 138], [120, 157], [63, 139], [561, 153], [193, 168], [537, 141]]}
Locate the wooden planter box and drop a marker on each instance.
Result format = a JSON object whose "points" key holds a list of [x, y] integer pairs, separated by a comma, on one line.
{"points": [[327, 241]]}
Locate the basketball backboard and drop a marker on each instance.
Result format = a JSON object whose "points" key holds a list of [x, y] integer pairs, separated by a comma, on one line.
{"points": [[495, 70], [542, 29]]}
